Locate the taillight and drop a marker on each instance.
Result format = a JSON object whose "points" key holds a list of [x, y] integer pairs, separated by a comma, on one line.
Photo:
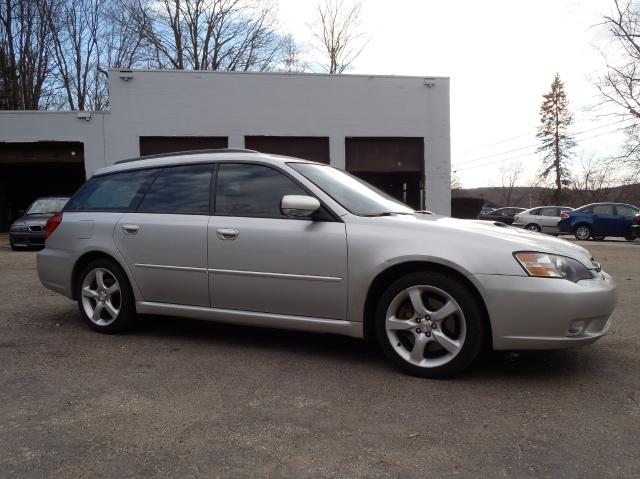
{"points": [[564, 215], [515, 218], [52, 224], [638, 217]]}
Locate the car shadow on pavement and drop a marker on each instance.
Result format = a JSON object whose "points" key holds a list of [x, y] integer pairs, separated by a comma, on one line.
{"points": [[490, 365]]}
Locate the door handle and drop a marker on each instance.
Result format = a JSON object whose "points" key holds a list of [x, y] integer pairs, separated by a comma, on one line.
{"points": [[130, 229], [227, 233]]}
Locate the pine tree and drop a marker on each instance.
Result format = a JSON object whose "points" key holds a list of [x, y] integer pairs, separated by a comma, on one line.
{"points": [[556, 140]]}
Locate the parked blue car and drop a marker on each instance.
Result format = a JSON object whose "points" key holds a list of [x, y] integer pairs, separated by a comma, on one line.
{"points": [[599, 220]]}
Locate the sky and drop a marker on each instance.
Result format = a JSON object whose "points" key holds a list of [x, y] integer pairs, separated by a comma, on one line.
{"points": [[501, 57]]}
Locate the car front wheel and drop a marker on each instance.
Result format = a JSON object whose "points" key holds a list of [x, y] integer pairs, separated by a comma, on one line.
{"points": [[533, 227], [430, 324], [105, 298]]}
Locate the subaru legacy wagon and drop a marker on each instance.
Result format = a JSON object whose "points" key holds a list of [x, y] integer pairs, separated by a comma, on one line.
{"points": [[272, 241]]}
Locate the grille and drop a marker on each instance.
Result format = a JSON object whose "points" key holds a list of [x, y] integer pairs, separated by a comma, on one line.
{"points": [[35, 228]]}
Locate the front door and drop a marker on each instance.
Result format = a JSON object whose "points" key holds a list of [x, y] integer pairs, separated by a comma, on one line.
{"points": [[261, 260], [604, 220], [165, 241]]}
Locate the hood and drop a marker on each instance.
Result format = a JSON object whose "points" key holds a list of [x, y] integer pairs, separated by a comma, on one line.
{"points": [[39, 219], [488, 237]]}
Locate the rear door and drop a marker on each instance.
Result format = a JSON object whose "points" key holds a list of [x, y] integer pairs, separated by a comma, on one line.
{"points": [[164, 242], [548, 219], [604, 220], [261, 260]]}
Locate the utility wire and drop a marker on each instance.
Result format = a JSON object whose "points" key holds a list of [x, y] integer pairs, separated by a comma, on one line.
{"points": [[536, 145]]}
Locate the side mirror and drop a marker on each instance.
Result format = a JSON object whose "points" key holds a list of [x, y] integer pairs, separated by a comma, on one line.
{"points": [[299, 206]]}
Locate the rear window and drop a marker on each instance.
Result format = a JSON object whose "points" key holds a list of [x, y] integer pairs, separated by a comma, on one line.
{"points": [[114, 192]]}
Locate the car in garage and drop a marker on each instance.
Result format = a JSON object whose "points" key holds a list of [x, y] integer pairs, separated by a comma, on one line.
{"points": [[541, 219], [599, 220], [28, 230], [504, 215], [271, 241]]}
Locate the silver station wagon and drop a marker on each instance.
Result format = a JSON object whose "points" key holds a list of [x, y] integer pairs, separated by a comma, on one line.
{"points": [[271, 241]]}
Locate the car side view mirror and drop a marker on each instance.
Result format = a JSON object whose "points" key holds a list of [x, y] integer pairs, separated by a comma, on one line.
{"points": [[299, 206]]}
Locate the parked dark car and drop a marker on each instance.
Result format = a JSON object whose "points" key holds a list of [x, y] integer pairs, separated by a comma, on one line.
{"points": [[28, 230], [504, 215], [635, 227], [599, 220]]}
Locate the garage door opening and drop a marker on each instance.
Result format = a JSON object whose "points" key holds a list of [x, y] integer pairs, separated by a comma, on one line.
{"points": [[314, 148], [31, 170], [393, 165], [156, 145]]}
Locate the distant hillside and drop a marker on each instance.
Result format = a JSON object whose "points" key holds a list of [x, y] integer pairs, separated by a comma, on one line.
{"points": [[527, 197]]}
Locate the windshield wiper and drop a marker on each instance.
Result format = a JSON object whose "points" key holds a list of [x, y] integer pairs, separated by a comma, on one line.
{"points": [[387, 213]]}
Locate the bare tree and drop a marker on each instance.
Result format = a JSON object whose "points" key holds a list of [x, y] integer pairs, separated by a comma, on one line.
{"points": [[292, 60], [510, 174], [601, 180], [24, 55], [620, 84], [338, 31], [210, 34]]}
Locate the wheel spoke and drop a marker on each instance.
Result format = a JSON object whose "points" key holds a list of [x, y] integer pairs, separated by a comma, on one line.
{"points": [[89, 293], [415, 294], [446, 342], [114, 288], [100, 278], [395, 324], [113, 312], [447, 310], [97, 312], [417, 353]]}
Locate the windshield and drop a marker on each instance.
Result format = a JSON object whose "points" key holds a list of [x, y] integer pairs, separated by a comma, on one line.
{"points": [[353, 194], [47, 205]]}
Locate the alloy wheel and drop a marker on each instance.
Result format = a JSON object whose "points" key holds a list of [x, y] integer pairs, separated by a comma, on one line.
{"points": [[425, 326], [101, 296], [583, 232]]}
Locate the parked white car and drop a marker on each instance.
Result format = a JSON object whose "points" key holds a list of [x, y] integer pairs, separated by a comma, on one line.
{"points": [[541, 218]]}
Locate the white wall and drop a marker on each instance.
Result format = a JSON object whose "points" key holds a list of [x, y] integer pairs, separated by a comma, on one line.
{"points": [[234, 104], [58, 126], [176, 103]]}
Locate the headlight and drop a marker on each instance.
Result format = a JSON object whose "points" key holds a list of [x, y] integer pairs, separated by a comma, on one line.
{"points": [[17, 227], [543, 265]]}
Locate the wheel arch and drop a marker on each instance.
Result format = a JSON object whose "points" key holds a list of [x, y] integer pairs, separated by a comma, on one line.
{"points": [[387, 276], [87, 258]]}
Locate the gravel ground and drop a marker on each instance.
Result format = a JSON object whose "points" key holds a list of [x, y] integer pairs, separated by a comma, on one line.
{"points": [[187, 398]]}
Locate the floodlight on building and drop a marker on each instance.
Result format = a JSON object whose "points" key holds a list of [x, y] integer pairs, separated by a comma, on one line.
{"points": [[85, 115], [125, 75]]}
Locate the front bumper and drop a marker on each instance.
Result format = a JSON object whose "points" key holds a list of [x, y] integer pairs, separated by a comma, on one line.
{"points": [[27, 239], [545, 313]]}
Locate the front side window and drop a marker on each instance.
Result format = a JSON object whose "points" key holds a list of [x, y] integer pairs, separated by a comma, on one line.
{"points": [[180, 190], [252, 190], [549, 211], [353, 194], [626, 210], [114, 192]]}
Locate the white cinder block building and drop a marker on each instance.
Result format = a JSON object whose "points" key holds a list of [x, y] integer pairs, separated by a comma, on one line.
{"points": [[392, 131]]}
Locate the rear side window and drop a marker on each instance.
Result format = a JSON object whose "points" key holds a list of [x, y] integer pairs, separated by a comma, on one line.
{"points": [[252, 190], [115, 192], [603, 209], [535, 212], [180, 190]]}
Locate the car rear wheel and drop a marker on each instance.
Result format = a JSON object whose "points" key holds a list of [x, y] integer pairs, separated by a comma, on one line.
{"points": [[630, 237], [430, 324], [105, 298], [533, 227], [582, 232]]}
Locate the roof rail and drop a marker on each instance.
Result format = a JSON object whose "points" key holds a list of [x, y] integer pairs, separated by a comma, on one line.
{"points": [[188, 152]]}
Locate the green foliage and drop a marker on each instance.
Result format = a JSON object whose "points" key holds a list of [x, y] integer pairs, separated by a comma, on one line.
{"points": [[556, 141]]}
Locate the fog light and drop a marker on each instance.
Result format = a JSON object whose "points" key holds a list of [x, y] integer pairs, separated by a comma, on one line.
{"points": [[576, 328]]}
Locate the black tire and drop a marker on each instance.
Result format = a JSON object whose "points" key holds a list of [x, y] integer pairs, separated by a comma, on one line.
{"points": [[126, 316], [582, 232], [473, 315], [630, 237], [13, 246], [533, 227], [599, 237]]}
